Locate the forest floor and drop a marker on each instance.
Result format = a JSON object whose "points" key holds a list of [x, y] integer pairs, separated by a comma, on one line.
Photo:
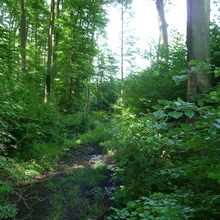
{"points": [[79, 188]]}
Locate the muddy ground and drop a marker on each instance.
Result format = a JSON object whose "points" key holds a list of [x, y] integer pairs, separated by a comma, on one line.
{"points": [[48, 197]]}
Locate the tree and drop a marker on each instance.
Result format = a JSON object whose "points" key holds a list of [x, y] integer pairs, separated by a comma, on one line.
{"points": [[23, 35], [163, 34], [163, 38], [198, 44], [50, 51]]}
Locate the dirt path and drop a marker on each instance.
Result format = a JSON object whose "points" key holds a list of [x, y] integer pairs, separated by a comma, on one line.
{"points": [[79, 188]]}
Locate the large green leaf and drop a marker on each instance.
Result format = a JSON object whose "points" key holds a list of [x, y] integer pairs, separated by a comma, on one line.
{"points": [[194, 62], [217, 72], [189, 113], [175, 115], [164, 102], [159, 114], [180, 78]]}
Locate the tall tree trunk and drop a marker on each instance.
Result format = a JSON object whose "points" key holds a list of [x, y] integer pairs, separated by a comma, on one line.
{"points": [[122, 41], [122, 51], [198, 44], [50, 52], [23, 35], [163, 35], [56, 36], [163, 38]]}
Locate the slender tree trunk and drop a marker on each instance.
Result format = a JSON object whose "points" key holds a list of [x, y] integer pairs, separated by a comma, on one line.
{"points": [[56, 36], [23, 36], [198, 44], [87, 103], [50, 53], [122, 51], [70, 88], [122, 41]]}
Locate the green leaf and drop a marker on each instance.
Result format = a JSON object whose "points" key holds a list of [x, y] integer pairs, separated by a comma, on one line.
{"points": [[214, 175], [214, 93], [217, 53], [131, 204], [177, 103], [217, 120], [180, 100], [175, 115], [189, 113], [164, 102], [195, 69], [157, 107], [217, 72], [150, 124], [180, 78], [216, 125], [200, 103], [193, 62], [213, 131], [193, 143], [159, 114]]}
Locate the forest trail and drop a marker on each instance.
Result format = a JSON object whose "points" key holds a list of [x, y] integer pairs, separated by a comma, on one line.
{"points": [[82, 180]]}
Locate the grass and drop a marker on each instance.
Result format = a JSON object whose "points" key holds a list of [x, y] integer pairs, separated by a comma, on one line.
{"points": [[80, 192]]}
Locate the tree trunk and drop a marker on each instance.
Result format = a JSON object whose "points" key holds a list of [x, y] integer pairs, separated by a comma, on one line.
{"points": [[23, 36], [198, 44], [163, 38], [122, 41], [56, 36], [122, 51], [87, 104], [50, 53]]}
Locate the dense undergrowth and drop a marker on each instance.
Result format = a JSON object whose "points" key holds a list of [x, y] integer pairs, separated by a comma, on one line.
{"points": [[164, 168], [32, 144], [79, 194], [167, 169]]}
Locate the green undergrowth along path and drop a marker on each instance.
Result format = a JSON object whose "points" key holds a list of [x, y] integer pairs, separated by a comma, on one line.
{"points": [[70, 186], [80, 194], [165, 168]]}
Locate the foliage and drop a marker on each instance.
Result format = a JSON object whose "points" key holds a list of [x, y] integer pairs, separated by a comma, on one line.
{"points": [[80, 193], [214, 44], [157, 206], [159, 153], [7, 209], [105, 95], [144, 89], [101, 132]]}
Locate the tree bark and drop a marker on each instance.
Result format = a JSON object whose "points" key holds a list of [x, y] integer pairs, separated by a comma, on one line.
{"points": [[122, 51], [50, 52], [56, 36], [87, 96], [23, 36], [198, 44], [163, 38], [122, 41]]}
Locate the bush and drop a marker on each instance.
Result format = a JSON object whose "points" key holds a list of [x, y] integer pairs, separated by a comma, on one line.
{"points": [[158, 153]]}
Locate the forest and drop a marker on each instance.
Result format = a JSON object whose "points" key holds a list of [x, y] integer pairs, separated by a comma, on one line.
{"points": [[83, 137]]}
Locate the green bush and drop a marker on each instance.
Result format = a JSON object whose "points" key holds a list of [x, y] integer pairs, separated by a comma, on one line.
{"points": [[158, 206], [102, 132], [159, 153]]}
